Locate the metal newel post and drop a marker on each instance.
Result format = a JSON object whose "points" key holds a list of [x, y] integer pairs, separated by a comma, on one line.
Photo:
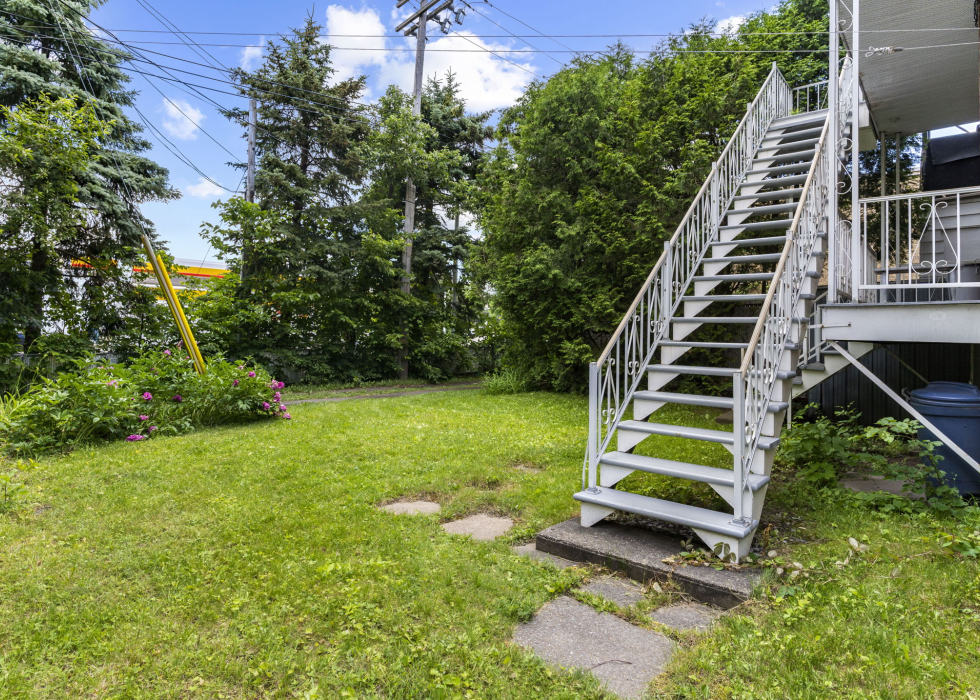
{"points": [[833, 100], [857, 259], [738, 418], [593, 423]]}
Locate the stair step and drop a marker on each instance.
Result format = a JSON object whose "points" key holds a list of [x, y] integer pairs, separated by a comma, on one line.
{"points": [[798, 120], [722, 437], [686, 369], [782, 181], [794, 146], [760, 258], [678, 513], [796, 168], [761, 226], [715, 346], [747, 298], [796, 135], [776, 194], [747, 242], [725, 402], [682, 470], [744, 277], [797, 157], [765, 209]]}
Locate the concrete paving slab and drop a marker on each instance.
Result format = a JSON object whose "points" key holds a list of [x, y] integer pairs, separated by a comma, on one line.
{"points": [[621, 591], [639, 553], [480, 526], [531, 550], [624, 657], [412, 508], [686, 616], [870, 483]]}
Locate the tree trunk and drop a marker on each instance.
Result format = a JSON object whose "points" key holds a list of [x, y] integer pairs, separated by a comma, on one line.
{"points": [[35, 294]]}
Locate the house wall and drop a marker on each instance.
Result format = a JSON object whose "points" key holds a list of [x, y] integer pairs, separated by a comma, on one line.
{"points": [[934, 361]]}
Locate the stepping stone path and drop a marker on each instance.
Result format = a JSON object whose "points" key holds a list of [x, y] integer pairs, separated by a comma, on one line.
{"points": [[480, 526], [412, 508], [870, 483], [531, 550], [688, 616], [624, 657], [622, 592]]}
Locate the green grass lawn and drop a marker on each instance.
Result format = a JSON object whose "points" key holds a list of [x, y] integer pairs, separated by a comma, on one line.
{"points": [[294, 392], [251, 561]]}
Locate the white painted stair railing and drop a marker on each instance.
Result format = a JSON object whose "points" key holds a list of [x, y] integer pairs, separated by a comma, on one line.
{"points": [[772, 156]]}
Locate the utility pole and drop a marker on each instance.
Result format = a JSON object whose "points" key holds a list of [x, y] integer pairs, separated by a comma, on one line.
{"points": [[416, 24], [252, 120]]}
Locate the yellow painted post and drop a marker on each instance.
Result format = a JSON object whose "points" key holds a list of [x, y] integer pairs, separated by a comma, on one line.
{"points": [[192, 344], [163, 280]]}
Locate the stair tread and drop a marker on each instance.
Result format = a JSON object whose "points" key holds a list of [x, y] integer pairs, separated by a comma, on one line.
{"points": [[799, 158], [722, 437], [801, 133], [760, 257], [753, 298], [761, 226], [799, 119], [778, 169], [742, 277], [697, 400], [683, 470], [782, 181], [765, 209], [793, 193], [689, 369], [715, 345], [792, 146], [678, 513], [745, 242]]}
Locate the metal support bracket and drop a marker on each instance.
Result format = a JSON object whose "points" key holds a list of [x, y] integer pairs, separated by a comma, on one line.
{"points": [[904, 404]]}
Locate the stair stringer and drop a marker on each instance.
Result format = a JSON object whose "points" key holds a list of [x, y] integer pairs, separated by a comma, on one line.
{"points": [[832, 365]]}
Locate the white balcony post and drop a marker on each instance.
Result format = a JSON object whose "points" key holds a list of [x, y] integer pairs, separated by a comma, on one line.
{"points": [[833, 101], [594, 417], [857, 259]]}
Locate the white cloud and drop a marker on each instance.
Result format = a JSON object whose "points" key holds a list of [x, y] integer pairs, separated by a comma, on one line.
{"points": [[486, 81], [182, 119], [204, 189], [731, 24], [250, 56]]}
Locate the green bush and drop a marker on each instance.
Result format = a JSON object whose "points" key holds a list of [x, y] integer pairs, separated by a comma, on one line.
{"points": [[506, 381], [159, 393]]}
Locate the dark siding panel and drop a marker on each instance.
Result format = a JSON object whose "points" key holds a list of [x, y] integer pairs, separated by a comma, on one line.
{"points": [[934, 361]]}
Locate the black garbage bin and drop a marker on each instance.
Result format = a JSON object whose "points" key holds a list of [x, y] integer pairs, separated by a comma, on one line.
{"points": [[954, 408]]}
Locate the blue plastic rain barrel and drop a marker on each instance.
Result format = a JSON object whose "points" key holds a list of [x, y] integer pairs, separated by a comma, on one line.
{"points": [[954, 408]]}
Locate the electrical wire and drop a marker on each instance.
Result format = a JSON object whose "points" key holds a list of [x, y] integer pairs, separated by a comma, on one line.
{"points": [[508, 31]]}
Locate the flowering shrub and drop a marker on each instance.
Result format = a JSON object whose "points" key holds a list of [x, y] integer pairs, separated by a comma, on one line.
{"points": [[159, 393]]}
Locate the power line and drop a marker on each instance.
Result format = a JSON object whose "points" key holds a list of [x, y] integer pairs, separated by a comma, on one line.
{"points": [[526, 25], [508, 31]]}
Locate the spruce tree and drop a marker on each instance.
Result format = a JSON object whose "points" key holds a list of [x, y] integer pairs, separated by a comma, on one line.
{"points": [[46, 49]]}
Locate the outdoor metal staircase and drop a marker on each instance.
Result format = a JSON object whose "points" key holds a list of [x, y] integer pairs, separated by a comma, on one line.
{"points": [[748, 256]]}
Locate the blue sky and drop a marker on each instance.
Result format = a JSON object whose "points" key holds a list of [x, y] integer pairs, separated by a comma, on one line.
{"points": [[488, 82]]}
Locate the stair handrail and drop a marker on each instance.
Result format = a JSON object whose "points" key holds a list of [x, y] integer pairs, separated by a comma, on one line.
{"points": [[615, 376], [755, 380]]}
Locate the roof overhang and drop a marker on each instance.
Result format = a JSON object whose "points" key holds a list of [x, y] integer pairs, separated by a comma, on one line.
{"points": [[934, 82]]}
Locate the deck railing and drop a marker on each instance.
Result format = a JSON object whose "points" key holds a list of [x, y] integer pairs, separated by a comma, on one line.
{"points": [[614, 378], [926, 246], [811, 98]]}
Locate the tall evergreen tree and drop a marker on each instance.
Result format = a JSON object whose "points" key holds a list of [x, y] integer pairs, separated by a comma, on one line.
{"points": [[46, 48]]}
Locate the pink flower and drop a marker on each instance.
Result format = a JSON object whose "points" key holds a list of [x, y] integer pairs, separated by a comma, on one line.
{"points": [[265, 406], [235, 383], [282, 407], [281, 385], [167, 353], [178, 398], [251, 374], [142, 417], [242, 367], [287, 416], [152, 428], [111, 382], [135, 438], [148, 396], [277, 396]]}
